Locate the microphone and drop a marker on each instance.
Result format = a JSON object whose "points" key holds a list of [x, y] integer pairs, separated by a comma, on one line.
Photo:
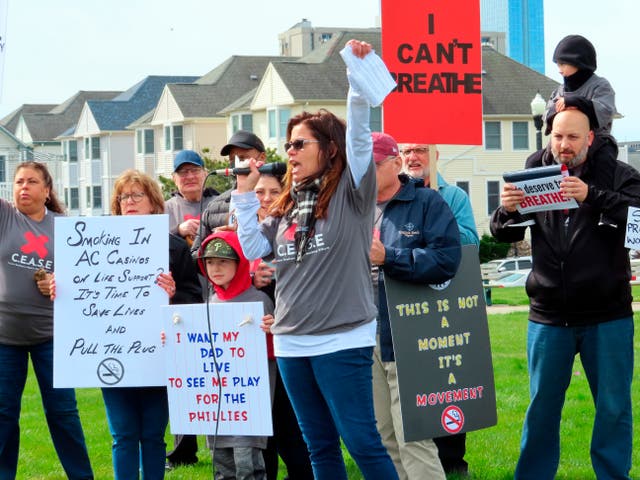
{"points": [[275, 168]]}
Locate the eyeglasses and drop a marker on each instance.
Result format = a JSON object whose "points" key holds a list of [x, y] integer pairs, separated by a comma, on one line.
{"points": [[298, 144], [184, 172], [135, 196], [417, 150]]}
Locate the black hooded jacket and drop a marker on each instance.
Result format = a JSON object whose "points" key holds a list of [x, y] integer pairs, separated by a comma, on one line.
{"points": [[581, 271]]}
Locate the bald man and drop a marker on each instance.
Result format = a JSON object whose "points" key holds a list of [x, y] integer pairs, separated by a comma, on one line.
{"points": [[580, 298]]}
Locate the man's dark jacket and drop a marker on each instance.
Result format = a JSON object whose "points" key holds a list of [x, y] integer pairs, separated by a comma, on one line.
{"points": [[581, 271], [421, 242]]}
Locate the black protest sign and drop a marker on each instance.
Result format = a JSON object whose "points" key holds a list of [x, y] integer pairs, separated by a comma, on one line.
{"points": [[443, 353]]}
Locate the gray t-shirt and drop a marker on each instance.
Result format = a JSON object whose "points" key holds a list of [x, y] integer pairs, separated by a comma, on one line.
{"points": [[330, 290], [26, 316], [180, 209]]}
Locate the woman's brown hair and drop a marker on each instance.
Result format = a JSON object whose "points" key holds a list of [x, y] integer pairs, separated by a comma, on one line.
{"points": [[330, 131], [52, 203], [148, 184]]}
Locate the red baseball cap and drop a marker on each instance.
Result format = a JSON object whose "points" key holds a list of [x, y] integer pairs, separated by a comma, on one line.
{"points": [[384, 146]]}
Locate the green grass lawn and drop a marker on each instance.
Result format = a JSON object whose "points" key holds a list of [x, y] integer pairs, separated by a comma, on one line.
{"points": [[492, 453], [517, 295]]}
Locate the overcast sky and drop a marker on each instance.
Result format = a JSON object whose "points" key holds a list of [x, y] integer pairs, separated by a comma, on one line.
{"points": [[55, 48]]}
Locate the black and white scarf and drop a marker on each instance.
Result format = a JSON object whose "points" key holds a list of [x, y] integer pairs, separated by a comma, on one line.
{"points": [[305, 196]]}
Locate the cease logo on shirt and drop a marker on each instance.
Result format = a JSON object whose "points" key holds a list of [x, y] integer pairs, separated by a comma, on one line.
{"points": [[191, 217], [287, 251], [35, 244], [33, 254]]}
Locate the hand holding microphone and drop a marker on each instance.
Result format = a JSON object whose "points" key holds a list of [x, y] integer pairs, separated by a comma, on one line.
{"points": [[276, 168]]}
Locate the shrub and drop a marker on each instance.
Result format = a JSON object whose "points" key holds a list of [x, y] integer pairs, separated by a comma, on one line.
{"points": [[490, 248]]}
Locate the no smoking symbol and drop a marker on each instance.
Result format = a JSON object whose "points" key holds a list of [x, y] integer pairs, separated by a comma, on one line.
{"points": [[110, 371], [452, 419]]}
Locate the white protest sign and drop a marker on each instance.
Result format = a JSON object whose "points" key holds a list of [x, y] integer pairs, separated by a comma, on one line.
{"points": [[107, 316], [541, 187], [217, 373], [632, 237]]}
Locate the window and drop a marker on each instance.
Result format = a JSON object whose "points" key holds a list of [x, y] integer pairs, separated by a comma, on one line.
{"points": [[283, 120], [524, 264], [177, 137], [278, 119], [521, 135], [149, 145], [375, 119], [271, 118], [167, 138], [97, 196], [87, 148], [492, 139], [325, 37], [464, 185], [95, 147], [242, 121], [73, 151], [74, 198], [3, 168], [139, 141], [172, 138], [493, 196], [88, 199]]}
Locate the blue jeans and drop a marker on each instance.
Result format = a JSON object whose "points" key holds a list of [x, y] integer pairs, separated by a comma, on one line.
{"points": [[60, 410], [332, 397], [606, 351], [138, 418]]}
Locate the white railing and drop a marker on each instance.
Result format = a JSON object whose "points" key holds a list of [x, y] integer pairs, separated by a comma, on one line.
{"points": [[53, 163]]}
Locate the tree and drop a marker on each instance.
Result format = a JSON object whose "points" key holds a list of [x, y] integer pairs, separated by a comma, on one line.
{"points": [[218, 182]]}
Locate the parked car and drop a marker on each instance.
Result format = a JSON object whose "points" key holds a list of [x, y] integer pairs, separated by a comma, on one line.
{"points": [[495, 269]]}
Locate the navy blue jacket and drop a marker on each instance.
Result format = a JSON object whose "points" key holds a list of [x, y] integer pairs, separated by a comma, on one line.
{"points": [[422, 245]]}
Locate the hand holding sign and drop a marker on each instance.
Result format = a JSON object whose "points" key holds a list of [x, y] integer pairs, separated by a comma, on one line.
{"points": [[511, 197], [573, 187], [541, 189]]}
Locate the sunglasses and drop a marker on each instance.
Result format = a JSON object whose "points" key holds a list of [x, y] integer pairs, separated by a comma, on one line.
{"points": [[298, 144]]}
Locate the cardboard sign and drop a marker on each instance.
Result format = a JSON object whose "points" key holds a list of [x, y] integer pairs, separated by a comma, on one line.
{"points": [[107, 324], [443, 353], [433, 52], [541, 187], [217, 373], [632, 237]]}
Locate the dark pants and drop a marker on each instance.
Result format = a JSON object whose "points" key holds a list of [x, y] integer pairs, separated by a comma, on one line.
{"points": [[451, 450], [287, 440], [60, 410], [185, 448]]}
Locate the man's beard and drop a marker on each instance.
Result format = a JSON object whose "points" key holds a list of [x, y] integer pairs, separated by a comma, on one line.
{"points": [[578, 159]]}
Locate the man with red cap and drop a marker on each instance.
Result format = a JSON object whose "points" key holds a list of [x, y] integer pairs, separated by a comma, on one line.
{"points": [[415, 239]]}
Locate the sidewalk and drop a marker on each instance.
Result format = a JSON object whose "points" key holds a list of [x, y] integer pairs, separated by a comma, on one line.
{"points": [[501, 309]]}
